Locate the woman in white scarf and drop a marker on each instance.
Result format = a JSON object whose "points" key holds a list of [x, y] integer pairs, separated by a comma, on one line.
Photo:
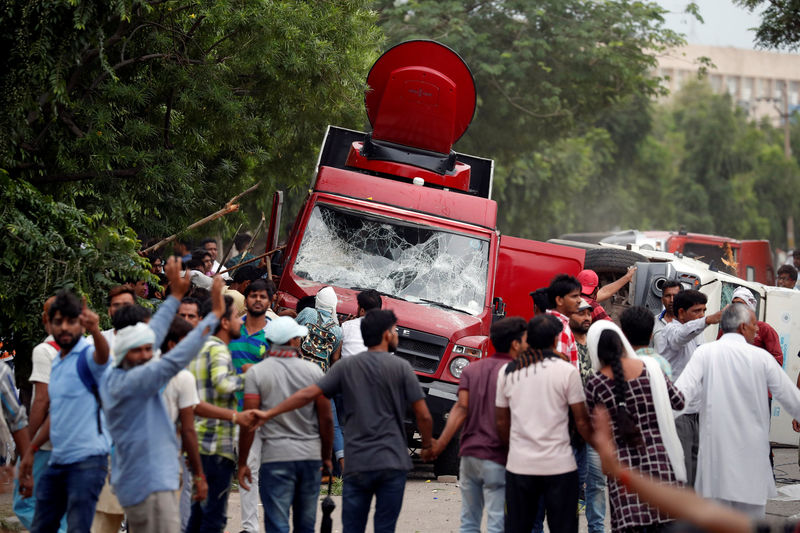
{"points": [[640, 400]]}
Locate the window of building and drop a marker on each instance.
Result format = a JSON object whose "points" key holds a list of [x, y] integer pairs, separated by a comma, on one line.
{"points": [[777, 90], [794, 89], [747, 89], [732, 85], [716, 82], [762, 88]]}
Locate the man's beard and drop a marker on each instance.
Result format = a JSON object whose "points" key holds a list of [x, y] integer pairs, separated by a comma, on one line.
{"points": [[235, 334], [256, 314], [69, 345], [392, 348]]}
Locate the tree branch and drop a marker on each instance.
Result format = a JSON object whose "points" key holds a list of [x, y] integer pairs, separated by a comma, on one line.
{"points": [[521, 108], [66, 119]]}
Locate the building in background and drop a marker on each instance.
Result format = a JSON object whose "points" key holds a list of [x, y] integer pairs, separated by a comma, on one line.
{"points": [[766, 84]]}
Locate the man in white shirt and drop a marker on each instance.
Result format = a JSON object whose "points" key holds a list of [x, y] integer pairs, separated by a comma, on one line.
{"points": [[670, 288], [352, 342], [725, 381], [676, 343], [42, 358], [535, 394]]}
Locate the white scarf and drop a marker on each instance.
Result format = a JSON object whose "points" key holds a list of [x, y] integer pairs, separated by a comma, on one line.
{"points": [[658, 389]]}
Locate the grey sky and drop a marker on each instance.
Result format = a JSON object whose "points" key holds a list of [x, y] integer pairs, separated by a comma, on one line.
{"points": [[725, 24]]}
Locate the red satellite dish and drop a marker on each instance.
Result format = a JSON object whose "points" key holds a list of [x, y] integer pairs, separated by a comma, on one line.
{"points": [[421, 94]]}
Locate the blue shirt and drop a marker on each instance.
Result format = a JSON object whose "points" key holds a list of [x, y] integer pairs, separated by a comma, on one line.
{"points": [[145, 458], [73, 409]]}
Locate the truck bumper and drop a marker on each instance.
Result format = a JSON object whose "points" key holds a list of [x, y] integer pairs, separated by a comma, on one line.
{"points": [[440, 397]]}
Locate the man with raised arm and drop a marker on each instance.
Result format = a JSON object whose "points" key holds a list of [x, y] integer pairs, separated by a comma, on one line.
{"points": [[79, 460]]}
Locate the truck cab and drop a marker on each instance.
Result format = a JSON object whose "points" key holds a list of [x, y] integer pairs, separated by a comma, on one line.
{"points": [[398, 211]]}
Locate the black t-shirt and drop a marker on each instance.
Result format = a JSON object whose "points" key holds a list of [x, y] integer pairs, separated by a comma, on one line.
{"points": [[376, 388]]}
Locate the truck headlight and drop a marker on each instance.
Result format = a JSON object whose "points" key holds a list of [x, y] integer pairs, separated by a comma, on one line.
{"points": [[466, 350], [457, 366]]}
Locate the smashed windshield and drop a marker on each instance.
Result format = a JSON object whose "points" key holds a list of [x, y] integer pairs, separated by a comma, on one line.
{"points": [[412, 262]]}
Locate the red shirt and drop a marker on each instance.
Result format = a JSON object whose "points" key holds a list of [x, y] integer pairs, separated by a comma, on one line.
{"points": [[479, 435], [598, 313]]}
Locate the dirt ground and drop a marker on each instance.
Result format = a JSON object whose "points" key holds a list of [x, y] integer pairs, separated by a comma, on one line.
{"points": [[432, 505]]}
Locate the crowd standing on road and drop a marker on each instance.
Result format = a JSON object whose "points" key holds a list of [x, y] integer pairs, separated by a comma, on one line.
{"points": [[149, 423]]}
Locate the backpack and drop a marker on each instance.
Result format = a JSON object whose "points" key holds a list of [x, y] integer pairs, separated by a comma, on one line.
{"points": [[319, 344], [87, 379]]}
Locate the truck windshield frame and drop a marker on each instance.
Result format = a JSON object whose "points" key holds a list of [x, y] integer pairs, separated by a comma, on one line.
{"points": [[424, 264]]}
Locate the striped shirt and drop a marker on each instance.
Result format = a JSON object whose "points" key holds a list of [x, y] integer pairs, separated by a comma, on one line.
{"points": [[566, 340], [216, 384], [247, 350], [13, 412]]}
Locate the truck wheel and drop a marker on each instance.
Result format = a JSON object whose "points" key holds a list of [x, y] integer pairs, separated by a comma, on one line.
{"points": [[447, 463], [611, 261]]}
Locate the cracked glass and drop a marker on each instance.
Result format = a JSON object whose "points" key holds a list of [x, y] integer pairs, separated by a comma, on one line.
{"points": [[421, 264]]}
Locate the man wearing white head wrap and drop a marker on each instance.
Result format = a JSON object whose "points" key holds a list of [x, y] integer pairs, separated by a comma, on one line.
{"points": [[766, 337], [145, 469], [323, 316], [133, 345]]}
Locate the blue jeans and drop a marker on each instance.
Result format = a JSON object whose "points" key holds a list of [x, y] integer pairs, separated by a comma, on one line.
{"points": [[482, 481], [595, 492], [290, 484], [72, 489], [387, 486], [338, 437], [211, 515]]}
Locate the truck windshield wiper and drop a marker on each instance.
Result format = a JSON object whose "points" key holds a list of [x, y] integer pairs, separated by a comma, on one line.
{"points": [[379, 292], [444, 306]]}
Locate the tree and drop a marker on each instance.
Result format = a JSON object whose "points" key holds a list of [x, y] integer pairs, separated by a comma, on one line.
{"points": [[142, 109], [552, 78], [135, 117], [780, 22]]}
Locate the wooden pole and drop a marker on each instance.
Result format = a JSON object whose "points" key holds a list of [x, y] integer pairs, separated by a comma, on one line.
{"points": [[230, 207], [225, 258], [254, 259]]}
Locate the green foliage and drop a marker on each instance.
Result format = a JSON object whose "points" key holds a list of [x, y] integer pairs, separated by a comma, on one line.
{"points": [[780, 22], [133, 118], [564, 90], [47, 245], [709, 168], [156, 112]]}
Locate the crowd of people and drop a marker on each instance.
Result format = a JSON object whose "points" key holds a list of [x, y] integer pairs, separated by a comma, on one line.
{"points": [[146, 425]]}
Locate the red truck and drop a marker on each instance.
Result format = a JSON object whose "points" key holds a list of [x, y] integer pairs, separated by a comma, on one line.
{"points": [[397, 210], [750, 260]]}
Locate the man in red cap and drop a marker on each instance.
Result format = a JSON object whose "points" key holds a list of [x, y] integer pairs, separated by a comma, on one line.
{"points": [[591, 292]]}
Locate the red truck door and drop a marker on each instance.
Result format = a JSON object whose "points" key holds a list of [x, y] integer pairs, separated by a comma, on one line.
{"points": [[755, 262], [524, 266]]}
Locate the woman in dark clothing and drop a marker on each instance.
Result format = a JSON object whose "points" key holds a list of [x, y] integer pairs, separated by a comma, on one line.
{"points": [[627, 387]]}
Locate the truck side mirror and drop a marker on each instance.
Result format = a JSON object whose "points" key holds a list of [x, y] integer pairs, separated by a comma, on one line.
{"points": [[498, 309]]}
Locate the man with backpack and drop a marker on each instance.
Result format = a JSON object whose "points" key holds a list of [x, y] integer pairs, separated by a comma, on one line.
{"points": [[79, 459], [323, 346]]}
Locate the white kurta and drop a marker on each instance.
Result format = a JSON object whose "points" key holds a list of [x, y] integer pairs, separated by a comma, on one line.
{"points": [[728, 381]]}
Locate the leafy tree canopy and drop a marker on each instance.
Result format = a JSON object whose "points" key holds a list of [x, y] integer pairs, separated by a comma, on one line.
{"points": [[564, 89], [134, 117], [780, 22]]}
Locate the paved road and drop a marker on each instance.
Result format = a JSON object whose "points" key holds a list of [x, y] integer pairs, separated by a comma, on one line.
{"points": [[434, 506]]}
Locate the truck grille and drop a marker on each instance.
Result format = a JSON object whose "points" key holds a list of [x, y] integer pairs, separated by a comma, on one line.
{"points": [[422, 350]]}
